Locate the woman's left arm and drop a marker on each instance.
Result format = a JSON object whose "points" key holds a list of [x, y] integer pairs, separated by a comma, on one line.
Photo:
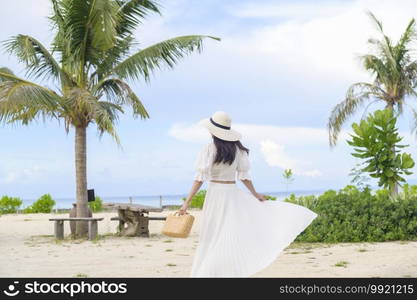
{"points": [[194, 189]]}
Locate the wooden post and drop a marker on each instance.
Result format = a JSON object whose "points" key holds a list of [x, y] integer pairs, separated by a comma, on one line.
{"points": [[92, 229], [59, 229], [120, 214], [143, 226]]}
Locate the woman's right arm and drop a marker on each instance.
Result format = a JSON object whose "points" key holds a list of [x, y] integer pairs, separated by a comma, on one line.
{"points": [[251, 188], [243, 167]]}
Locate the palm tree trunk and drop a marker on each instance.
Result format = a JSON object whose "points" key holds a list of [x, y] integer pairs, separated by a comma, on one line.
{"points": [[394, 190], [81, 179]]}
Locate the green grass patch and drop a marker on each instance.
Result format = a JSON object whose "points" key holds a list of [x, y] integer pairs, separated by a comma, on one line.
{"points": [[342, 264]]}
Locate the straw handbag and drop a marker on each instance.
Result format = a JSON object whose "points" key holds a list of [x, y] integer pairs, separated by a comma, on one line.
{"points": [[177, 225]]}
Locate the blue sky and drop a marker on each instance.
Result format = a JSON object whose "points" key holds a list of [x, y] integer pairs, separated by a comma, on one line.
{"points": [[280, 68]]}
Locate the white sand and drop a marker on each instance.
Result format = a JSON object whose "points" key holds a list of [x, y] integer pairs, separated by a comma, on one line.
{"points": [[27, 248]]}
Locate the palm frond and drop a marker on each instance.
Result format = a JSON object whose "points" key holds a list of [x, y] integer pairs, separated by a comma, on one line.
{"points": [[38, 60], [7, 74], [105, 117], [57, 18], [132, 12], [90, 28], [166, 53], [376, 21], [356, 95], [385, 46], [24, 101], [103, 22], [91, 22], [110, 58], [376, 66], [119, 92], [82, 108], [408, 35]]}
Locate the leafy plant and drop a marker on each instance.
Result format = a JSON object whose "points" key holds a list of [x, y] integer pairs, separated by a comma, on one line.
{"points": [[376, 140], [9, 205], [198, 200], [96, 205], [43, 205]]}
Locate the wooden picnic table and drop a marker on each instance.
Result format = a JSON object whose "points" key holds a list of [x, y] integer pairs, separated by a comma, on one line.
{"points": [[133, 218]]}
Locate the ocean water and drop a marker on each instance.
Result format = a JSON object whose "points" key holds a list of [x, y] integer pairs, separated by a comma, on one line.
{"points": [[157, 201]]}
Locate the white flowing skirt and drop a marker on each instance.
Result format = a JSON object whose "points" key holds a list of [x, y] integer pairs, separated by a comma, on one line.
{"points": [[240, 235]]}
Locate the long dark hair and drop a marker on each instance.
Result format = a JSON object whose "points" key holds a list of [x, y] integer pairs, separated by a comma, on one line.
{"points": [[226, 150]]}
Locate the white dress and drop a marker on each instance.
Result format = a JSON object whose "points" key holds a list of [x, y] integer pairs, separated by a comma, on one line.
{"points": [[240, 235]]}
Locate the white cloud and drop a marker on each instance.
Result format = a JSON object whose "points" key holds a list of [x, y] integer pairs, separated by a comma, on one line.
{"points": [[288, 135], [276, 156], [22, 174], [287, 10], [269, 139], [319, 41], [189, 133]]}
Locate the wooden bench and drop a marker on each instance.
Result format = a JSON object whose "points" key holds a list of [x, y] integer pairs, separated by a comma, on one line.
{"points": [[92, 226]]}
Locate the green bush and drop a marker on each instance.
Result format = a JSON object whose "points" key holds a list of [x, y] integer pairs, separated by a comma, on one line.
{"points": [[408, 191], [198, 200], [351, 215], [96, 205], [43, 205], [270, 197], [307, 201], [9, 205]]}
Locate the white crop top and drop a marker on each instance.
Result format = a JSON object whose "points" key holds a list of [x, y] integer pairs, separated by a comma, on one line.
{"points": [[206, 170]]}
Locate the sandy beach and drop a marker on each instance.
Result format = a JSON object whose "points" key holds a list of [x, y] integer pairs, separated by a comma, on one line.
{"points": [[28, 249]]}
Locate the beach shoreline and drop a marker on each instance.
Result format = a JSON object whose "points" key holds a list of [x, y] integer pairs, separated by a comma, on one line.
{"points": [[29, 250]]}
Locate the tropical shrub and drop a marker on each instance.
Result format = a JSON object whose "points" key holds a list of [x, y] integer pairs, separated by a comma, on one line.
{"points": [[307, 201], [43, 205], [408, 191], [198, 200], [268, 197], [96, 205], [376, 141], [353, 215], [9, 205]]}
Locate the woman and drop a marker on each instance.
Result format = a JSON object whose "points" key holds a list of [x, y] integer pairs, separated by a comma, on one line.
{"points": [[240, 233]]}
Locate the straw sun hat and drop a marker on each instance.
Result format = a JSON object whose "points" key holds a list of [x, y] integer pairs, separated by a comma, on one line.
{"points": [[219, 125]]}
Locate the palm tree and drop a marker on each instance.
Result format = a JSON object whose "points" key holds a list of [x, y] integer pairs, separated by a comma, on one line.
{"points": [[395, 77], [89, 64]]}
